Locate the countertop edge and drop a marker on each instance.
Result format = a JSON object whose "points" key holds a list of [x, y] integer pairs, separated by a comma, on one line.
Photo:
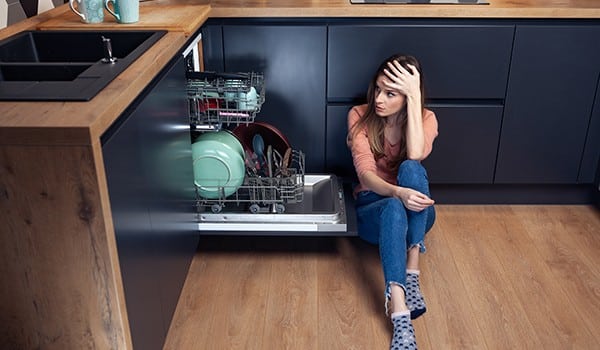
{"points": [[412, 11]]}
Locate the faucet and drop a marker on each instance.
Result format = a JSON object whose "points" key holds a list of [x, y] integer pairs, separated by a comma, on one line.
{"points": [[108, 56]]}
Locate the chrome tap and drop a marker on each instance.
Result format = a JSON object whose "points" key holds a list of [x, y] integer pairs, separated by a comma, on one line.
{"points": [[108, 56]]}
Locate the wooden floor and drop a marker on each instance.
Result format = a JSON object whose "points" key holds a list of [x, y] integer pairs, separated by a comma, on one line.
{"points": [[494, 277]]}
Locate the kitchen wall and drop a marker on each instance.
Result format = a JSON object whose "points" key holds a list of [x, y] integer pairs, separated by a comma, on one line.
{"points": [[12, 11]]}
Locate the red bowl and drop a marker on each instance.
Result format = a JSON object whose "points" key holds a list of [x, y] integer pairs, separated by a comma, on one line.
{"points": [[270, 134]]}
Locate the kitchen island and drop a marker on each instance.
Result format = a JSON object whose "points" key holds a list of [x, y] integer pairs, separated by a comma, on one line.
{"points": [[61, 279]]}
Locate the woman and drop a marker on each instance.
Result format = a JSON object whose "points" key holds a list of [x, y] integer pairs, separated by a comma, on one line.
{"points": [[388, 137]]}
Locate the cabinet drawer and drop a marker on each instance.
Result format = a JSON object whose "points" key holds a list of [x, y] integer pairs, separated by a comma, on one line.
{"points": [[465, 150], [469, 62], [463, 153]]}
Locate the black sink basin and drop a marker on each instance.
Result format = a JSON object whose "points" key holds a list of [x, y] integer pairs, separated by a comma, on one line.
{"points": [[66, 65], [29, 72]]}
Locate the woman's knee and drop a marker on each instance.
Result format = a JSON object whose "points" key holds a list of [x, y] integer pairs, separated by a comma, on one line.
{"points": [[412, 167], [412, 174]]}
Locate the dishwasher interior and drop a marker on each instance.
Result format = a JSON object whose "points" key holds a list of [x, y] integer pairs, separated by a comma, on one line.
{"points": [[284, 199]]}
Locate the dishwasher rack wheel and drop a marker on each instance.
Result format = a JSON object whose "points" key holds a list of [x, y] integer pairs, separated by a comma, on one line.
{"points": [[254, 208], [216, 208], [279, 208]]}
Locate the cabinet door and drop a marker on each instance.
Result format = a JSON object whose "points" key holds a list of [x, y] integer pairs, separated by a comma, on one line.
{"points": [[464, 151], [553, 77], [148, 163], [467, 62], [292, 59], [338, 158], [591, 154], [128, 200]]}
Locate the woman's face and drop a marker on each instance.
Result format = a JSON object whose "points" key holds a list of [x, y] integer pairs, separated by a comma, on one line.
{"points": [[387, 101]]}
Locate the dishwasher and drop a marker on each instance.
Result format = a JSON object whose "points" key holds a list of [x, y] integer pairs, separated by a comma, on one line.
{"points": [[289, 202]]}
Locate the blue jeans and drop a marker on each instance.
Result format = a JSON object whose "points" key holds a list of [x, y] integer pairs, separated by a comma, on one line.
{"points": [[386, 222]]}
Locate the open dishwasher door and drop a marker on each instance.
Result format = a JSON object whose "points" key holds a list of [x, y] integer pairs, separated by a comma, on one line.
{"points": [[323, 210]]}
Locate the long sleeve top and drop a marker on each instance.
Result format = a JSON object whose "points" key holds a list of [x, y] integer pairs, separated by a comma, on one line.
{"points": [[364, 159]]}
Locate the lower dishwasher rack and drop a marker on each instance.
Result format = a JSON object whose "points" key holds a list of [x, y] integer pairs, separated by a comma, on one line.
{"points": [[322, 209]]}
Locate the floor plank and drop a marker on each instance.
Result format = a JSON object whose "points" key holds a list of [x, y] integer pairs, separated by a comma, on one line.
{"points": [[494, 277]]}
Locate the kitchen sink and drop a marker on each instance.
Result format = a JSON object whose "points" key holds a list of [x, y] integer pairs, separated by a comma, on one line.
{"points": [[67, 65], [28, 72]]}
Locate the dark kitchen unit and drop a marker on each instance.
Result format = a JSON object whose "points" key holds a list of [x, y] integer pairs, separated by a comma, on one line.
{"points": [[503, 138]]}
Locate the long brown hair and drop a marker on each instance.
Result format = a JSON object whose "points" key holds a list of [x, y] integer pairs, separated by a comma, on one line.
{"points": [[375, 125]]}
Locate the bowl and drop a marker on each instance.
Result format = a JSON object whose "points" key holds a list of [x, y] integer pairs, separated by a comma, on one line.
{"points": [[270, 134], [224, 136], [248, 100], [218, 169]]}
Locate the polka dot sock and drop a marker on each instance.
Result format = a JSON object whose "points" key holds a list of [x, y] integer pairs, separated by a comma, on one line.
{"points": [[414, 298], [404, 334]]}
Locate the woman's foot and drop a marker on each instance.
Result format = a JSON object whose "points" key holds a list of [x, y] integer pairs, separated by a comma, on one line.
{"points": [[414, 297], [404, 334]]}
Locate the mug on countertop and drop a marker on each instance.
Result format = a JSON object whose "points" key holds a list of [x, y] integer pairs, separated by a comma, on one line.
{"points": [[125, 11], [90, 11]]}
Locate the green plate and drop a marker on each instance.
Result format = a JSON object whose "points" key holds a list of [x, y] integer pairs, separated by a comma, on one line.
{"points": [[218, 169]]}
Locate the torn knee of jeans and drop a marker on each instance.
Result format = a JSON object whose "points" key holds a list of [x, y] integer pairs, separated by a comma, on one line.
{"points": [[388, 294], [421, 246]]}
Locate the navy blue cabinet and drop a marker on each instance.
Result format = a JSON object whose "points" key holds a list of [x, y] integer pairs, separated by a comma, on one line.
{"points": [[590, 162], [459, 61], [338, 159], [293, 60], [148, 162], [465, 66], [553, 80], [463, 153], [465, 150]]}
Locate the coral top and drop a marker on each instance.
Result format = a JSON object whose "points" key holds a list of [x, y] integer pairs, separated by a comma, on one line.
{"points": [[363, 158]]}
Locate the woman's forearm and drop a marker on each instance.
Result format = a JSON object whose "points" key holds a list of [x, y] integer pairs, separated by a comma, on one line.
{"points": [[376, 184], [415, 136]]}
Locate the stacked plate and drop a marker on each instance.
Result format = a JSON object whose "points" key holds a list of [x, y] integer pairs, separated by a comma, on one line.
{"points": [[218, 164]]}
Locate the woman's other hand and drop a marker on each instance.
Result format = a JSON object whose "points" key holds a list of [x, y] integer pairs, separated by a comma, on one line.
{"points": [[401, 79], [413, 199]]}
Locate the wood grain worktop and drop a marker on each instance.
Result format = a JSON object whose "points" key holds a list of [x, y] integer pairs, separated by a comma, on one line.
{"points": [[343, 8], [177, 16]]}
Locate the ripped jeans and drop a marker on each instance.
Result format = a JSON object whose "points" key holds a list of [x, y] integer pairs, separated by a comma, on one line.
{"points": [[386, 222]]}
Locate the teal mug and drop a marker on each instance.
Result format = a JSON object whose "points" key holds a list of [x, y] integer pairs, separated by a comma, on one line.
{"points": [[125, 11], [90, 11]]}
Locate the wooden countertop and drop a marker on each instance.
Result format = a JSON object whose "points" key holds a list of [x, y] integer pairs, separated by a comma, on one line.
{"points": [[180, 17], [84, 122], [343, 8]]}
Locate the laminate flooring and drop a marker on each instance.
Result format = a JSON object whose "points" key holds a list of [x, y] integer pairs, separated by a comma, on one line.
{"points": [[494, 277]]}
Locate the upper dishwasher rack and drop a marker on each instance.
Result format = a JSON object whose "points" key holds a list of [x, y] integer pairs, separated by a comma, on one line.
{"points": [[217, 99]]}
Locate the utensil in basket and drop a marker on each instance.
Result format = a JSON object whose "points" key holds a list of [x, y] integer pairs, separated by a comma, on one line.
{"points": [[285, 164]]}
